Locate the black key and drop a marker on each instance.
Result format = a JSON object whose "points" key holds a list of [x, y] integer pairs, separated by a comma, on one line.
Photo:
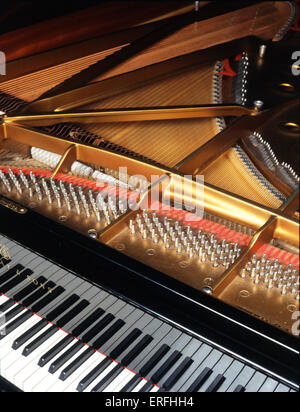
{"points": [[166, 367], [240, 389], [108, 334], [16, 323], [157, 357], [72, 313], [108, 379], [66, 304], [21, 340], [84, 325], [202, 378], [36, 295], [180, 370], [131, 384], [55, 350], [137, 350], [113, 355], [68, 354], [75, 348], [39, 341], [10, 273], [88, 379], [4, 262], [147, 387], [70, 369], [27, 303], [19, 278], [97, 328], [125, 343], [216, 384], [48, 299], [38, 306], [89, 352], [59, 324], [18, 297]]}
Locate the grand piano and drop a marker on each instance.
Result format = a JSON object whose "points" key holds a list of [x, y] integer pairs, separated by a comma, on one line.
{"points": [[149, 197]]}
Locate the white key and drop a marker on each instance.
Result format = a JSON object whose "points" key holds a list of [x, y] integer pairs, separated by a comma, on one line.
{"points": [[3, 299], [127, 379], [155, 389], [74, 380], [124, 377], [32, 365], [140, 385]]}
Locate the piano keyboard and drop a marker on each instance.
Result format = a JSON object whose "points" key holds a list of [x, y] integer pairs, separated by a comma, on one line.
{"points": [[60, 333]]}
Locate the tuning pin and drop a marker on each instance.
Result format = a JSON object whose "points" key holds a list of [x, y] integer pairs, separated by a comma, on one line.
{"points": [[243, 273], [15, 181], [5, 181], [270, 284], [215, 263]]}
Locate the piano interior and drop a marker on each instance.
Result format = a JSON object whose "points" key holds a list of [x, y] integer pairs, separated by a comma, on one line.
{"points": [[166, 157]]}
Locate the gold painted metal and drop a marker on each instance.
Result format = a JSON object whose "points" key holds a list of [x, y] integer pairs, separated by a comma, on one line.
{"points": [[216, 201], [263, 236], [143, 203], [66, 161], [268, 305], [287, 230], [84, 153], [239, 130], [79, 223], [132, 115], [190, 271], [3, 124]]}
